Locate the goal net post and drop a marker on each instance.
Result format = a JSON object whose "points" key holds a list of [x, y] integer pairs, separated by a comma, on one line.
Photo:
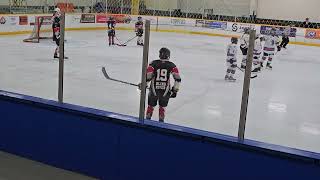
{"points": [[41, 29]]}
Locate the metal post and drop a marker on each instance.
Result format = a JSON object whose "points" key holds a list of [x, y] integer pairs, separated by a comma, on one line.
{"points": [[10, 6], [91, 9], [61, 58], [246, 87], [187, 9], [106, 6], [121, 7], [154, 7], [203, 7], [144, 71]]}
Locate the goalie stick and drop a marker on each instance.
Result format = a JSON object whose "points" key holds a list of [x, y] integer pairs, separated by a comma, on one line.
{"points": [[104, 71], [252, 77]]}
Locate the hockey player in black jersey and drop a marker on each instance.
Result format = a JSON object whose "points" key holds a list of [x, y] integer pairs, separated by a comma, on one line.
{"points": [[111, 30], [139, 31], [56, 13], [158, 74], [56, 32]]}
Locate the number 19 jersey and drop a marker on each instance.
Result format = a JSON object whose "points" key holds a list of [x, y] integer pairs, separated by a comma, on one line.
{"points": [[158, 73]]}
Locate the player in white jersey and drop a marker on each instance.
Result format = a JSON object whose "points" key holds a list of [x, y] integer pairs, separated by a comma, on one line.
{"points": [[231, 59], [271, 43], [257, 51], [244, 44]]}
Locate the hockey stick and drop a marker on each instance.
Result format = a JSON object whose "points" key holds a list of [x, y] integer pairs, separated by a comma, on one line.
{"points": [[120, 42], [125, 44], [252, 77], [116, 80]]}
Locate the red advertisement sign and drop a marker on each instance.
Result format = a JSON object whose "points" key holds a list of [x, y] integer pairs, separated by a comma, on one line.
{"points": [[23, 20], [313, 33], [120, 18], [101, 18]]}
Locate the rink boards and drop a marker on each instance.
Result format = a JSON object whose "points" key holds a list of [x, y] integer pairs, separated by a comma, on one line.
{"points": [[106, 145], [22, 24]]}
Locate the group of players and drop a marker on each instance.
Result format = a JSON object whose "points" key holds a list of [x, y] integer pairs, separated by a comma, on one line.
{"points": [[271, 45], [112, 32], [158, 71], [111, 22]]}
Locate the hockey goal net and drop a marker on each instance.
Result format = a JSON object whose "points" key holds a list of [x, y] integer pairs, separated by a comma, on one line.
{"points": [[41, 30]]}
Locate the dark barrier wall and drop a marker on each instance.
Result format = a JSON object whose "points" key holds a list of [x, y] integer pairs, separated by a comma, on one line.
{"points": [[115, 147]]}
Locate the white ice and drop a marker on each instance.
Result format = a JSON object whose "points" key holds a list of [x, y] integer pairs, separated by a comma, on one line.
{"points": [[283, 107]]}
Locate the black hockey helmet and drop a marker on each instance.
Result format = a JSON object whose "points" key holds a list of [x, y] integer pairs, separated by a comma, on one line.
{"points": [[234, 40], [139, 18], [164, 53]]}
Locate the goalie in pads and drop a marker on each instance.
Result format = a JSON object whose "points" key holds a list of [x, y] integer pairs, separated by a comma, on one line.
{"points": [[158, 73]]}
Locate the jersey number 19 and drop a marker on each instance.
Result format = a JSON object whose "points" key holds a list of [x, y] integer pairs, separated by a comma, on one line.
{"points": [[162, 75]]}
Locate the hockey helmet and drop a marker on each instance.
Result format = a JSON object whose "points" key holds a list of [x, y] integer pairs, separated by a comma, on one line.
{"points": [[57, 10], [234, 40], [139, 18], [164, 53]]}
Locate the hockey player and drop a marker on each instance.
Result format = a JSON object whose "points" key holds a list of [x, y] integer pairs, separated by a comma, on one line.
{"points": [[158, 73], [231, 59], [244, 44], [57, 13], [257, 51], [111, 30], [285, 37], [271, 43], [56, 36], [139, 31]]}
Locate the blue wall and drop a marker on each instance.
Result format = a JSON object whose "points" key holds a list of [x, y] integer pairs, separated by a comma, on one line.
{"points": [[111, 146]]}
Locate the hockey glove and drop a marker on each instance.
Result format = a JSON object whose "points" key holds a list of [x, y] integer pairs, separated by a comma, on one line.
{"points": [[173, 93]]}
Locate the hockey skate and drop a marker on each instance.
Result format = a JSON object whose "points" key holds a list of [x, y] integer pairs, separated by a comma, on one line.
{"points": [[269, 66], [226, 78], [261, 64], [57, 57], [256, 70], [243, 66], [231, 79]]}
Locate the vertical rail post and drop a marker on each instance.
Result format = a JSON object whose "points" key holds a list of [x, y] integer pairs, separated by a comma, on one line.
{"points": [[61, 57], [246, 87], [144, 71]]}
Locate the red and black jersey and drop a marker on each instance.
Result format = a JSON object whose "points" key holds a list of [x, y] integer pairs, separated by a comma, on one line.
{"points": [[159, 72], [56, 27]]}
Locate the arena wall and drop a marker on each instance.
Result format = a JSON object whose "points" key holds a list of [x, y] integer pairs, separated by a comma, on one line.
{"points": [[107, 145], [13, 24]]}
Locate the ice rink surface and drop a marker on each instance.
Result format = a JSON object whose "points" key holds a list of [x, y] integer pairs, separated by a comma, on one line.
{"points": [[284, 104]]}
